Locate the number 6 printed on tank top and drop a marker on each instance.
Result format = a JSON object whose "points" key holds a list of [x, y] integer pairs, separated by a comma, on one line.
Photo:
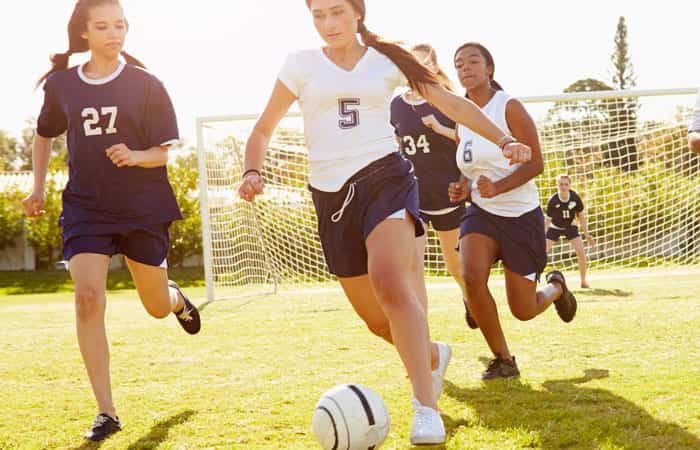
{"points": [[350, 117], [467, 152], [92, 118]]}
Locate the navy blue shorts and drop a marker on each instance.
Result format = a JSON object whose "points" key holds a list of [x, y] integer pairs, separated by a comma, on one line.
{"points": [[379, 190], [521, 241], [571, 232], [147, 244], [445, 222]]}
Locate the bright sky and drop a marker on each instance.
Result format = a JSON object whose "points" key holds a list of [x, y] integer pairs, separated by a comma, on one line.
{"points": [[220, 57]]}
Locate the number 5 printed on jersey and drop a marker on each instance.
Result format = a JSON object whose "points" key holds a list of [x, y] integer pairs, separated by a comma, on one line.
{"points": [[350, 116]]}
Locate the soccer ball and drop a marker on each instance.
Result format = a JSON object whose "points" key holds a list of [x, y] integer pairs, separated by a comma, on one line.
{"points": [[352, 417]]}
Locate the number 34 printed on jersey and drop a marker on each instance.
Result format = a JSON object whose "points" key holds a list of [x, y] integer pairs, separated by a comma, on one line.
{"points": [[92, 119]]}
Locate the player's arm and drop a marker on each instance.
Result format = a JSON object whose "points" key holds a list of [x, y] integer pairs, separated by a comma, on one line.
{"points": [[524, 129], [466, 112], [694, 141], [547, 223], [123, 156], [460, 191], [41, 153], [434, 124], [256, 147], [581, 217]]}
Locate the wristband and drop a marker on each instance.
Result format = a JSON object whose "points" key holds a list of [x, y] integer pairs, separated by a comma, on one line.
{"points": [[505, 140], [256, 171]]}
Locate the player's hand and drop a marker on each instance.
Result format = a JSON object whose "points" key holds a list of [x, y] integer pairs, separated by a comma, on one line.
{"points": [[459, 190], [487, 188], [251, 186], [33, 204], [591, 241], [122, 156], [431, 122], [517, 152]]}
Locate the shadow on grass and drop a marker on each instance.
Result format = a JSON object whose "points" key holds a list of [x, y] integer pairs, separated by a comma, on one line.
{"points": [[159, 432], [597, 292], [568, 414], [53, 281], [155, 437]]}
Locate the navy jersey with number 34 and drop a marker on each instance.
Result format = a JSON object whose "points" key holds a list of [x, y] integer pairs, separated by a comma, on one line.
{"points": [[432, 154], [129, 107], [563, 213]]}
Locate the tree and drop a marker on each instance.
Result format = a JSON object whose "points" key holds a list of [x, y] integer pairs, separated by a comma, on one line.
{"points": [[8, 151], [59, 150], [623, 150], [44, 233], [10, 216], [186, 234]]}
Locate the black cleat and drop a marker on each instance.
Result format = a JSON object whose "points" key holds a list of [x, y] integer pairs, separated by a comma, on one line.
{"points": [[566, 304], [501, 368], [189, 315], [471, 322], [103, 427]]}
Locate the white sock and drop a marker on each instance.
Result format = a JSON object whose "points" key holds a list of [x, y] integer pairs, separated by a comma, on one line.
{"points": [[175, 300]]}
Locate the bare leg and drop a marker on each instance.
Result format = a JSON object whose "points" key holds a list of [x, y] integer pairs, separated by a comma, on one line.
{"points": [[577, 244]]}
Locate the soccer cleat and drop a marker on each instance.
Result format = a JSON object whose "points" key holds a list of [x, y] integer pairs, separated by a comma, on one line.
{"points": [[188, 316], [445, 354], [428, 428], [566, 304], [471, 322], [103, 427], [501, 368]]}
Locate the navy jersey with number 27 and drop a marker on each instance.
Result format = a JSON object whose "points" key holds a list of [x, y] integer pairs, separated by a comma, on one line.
{"points": [[129, 107], [432, 154]]}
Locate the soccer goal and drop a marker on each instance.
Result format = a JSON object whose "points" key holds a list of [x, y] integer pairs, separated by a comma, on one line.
{"points": [[625, 151]]}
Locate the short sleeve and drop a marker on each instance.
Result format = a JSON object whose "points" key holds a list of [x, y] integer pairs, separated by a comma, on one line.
{"points": [[695, 121], [579, 203], [550, 207], [290, 75], [393, 115], [52, 120], [161, 121]]}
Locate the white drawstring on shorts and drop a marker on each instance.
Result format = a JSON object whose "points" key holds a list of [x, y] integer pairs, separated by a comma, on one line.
{"points": [[335, 218]]}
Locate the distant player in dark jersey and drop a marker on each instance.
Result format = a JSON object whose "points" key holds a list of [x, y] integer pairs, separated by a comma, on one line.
{"points": [[433, 156], [120, 123], [562, 209]]}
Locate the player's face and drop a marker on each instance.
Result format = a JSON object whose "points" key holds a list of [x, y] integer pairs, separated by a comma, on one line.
{"points": [[472, 69], [564, 185], [336, 21], [425, 58], [106, 30]]}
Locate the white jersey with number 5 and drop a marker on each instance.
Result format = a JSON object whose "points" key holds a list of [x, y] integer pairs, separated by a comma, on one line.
{"points": [[346, 112], [477, 156]]}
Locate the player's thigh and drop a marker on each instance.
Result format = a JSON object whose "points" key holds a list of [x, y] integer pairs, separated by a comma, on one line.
{"points": [[449, 240], [521, 292], [577, 245], [477, 252], [151, 284], [89, 272], [550, 244], [391, 251]]}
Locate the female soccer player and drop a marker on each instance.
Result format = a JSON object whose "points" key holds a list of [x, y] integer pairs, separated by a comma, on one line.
{"points": [[118, 199], [365, 194], [433, 156], [562, 209], [504, 220]]}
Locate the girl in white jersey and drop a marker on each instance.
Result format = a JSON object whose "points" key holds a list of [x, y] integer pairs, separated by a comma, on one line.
{"points": [[505, 220], [365, 194]]}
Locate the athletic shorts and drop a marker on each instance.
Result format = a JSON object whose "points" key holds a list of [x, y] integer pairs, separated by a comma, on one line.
{"points": [[571, 232], [387, 187], [444, 222], [147, 244], [520, 239]]}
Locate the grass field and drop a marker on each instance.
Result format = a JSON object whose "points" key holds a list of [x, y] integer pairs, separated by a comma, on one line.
{"points": [[624, 375]]}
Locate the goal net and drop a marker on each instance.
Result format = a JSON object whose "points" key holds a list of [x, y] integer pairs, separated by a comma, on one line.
{"points": [[625, 152]]}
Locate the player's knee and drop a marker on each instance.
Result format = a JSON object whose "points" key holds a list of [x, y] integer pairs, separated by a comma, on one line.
{"points": [[381, 329], [88, 303], [159, 311], [522, 314], [473, 280], [389, 286]]}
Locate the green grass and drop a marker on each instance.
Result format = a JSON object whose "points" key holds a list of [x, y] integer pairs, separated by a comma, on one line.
{"points": [[623, 375]]}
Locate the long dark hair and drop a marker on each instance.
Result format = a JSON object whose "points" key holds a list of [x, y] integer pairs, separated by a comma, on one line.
{"points": [[76, 44], [486, 54], [416, 73], [432, 55]]}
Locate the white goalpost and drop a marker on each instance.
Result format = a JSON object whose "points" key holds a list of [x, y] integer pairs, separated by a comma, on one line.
{"points": [[625, 151]]}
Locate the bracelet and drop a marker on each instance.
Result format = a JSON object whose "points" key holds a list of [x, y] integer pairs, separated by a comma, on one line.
{"points": [[256, 171], [505, 140]]}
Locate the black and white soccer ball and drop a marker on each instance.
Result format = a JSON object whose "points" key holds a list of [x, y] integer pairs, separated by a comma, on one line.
{"points": [[351, 417]]}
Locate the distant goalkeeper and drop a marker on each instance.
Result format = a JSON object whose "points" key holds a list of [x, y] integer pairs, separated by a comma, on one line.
{"points": [[562, 209]]}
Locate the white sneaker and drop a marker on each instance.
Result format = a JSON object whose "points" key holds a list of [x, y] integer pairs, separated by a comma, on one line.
{"points": [[445, 354], [428, 428]]}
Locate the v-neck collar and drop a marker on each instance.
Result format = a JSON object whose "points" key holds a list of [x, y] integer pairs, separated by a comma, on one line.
{"points": [[355, 67]]}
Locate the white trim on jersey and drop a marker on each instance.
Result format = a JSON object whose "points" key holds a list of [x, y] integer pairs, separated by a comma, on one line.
{"points": [[170, 143], [408, 101], [440, 212], [100, 81]]}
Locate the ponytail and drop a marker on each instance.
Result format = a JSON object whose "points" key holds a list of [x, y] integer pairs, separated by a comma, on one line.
{"points": [[76, 43]]}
